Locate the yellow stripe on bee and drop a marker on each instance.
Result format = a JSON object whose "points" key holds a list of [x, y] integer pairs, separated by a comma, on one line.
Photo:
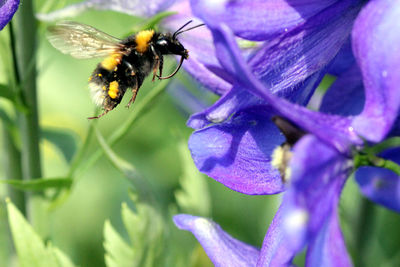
{"points": [[142, 40], [110, 62], [113, 89]]}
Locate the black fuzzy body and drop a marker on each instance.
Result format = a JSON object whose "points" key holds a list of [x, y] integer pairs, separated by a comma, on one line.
{"points": [[130, 72]]}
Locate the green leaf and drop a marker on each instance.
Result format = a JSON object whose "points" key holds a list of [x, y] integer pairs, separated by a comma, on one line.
{"points": [[30, 248], [7, 92], [194, 197], [63, 139], [11, 128], [145, 229], [156, 19], [39, 184], [118, 252]]}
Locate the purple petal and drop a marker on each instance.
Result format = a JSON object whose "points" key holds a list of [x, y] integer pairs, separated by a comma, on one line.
{"points": [[332, 129], [7, 10], [328, 248], [376, 39], [276, 249], [346, 95], [221, 248], [395, 131], [238, 99], [233, 101], [318, 175], [237, 153], [134, 8], [380, 185], [278, 65], [292, 57], [260, 19], [343, 60], [202, 63]]}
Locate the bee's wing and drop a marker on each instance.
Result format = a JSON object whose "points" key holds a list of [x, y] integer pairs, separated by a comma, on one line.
{"points": [[81, 41]]}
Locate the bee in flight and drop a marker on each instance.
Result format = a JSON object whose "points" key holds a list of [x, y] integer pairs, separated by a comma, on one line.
{"points": [[127, 62]]}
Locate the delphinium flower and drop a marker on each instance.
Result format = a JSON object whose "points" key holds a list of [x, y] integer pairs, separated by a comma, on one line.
{"points": [[7, 10], [300, 41], [359, 110]]}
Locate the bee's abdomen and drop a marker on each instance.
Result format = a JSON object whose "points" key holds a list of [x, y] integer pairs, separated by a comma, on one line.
{"points": [[107, 89], [115, 74]]}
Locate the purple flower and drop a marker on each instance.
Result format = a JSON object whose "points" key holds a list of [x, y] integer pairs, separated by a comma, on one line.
{"points": [[301, 40], [7, 10], [363, 104]]}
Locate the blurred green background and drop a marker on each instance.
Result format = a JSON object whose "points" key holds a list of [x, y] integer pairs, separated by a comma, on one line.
{"points": [[154, 147]]}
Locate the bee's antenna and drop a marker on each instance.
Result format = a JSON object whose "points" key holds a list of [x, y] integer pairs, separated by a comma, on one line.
{"points": [[184, 25], [194, 27]]}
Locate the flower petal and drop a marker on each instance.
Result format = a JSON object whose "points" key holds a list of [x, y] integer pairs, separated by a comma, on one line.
{"points": [[233, 101], [380, 185], [260, 19], [131, 7], [7, 10], [237, 99], [318, 175], [332, 129], [292, 57], [221, 248], [346, 95], [237, 153], [202, 64], [376, 40], [328, 248], [276, 249], [343, 60]]}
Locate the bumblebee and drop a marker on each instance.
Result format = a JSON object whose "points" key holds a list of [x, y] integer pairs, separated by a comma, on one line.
{"points": [[127, 62]]}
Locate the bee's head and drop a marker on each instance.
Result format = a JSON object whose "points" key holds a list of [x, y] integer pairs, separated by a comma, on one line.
{"points": [[169, 44]]}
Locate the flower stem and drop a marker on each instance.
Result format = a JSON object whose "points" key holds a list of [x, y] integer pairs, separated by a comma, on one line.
{"points": [[25, 47], [12, 165], [372, 160], [388, 143], [12, 161]]}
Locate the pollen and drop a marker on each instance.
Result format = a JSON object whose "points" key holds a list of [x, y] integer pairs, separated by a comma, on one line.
{"points": [[90, 78], [99, 74], [113, 90], [142, 40], [111, 62], [280, 161]]}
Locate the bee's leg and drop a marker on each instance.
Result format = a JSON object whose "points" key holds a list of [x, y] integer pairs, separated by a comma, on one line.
{"points": [[158, 62], [135, 90], [160, 67], [101, 115], [130, 70]]}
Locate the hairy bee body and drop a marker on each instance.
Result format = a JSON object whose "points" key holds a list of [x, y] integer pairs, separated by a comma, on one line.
{"points": [[121, 70], [127, 62]]}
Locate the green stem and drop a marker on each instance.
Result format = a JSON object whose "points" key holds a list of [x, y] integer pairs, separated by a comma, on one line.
{"points": [[25, 46], [12, 160], [372, 160], [12, 166], [388, 143]]}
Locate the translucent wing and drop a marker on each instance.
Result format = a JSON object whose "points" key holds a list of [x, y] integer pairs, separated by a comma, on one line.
{"points": [[81, 40]]}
